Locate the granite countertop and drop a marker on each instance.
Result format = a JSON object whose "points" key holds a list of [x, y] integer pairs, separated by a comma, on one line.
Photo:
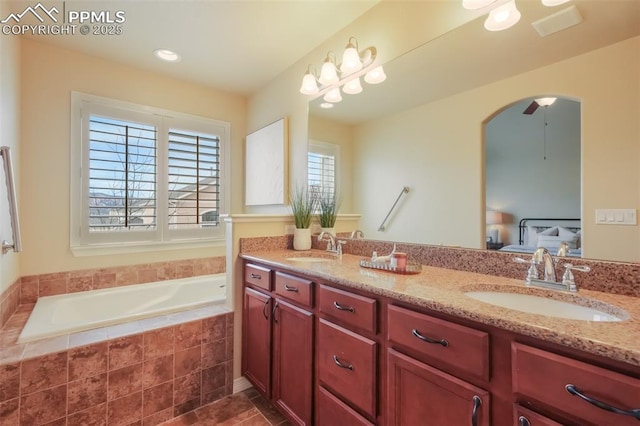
{"points": [[443, 290]]}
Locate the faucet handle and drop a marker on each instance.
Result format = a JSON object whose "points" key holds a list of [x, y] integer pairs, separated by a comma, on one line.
{"points": [[532, 273], [567, 277], [339, 244]]}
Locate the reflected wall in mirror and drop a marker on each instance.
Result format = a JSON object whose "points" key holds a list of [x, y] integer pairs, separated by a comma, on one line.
{"points": [[532, 171], [424, 127]]}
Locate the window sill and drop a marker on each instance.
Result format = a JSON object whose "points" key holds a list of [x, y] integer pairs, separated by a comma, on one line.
{"points": [[124, 248]]}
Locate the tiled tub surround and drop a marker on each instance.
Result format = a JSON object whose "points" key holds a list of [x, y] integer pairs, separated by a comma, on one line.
{"points": [[9, 302], [443, 290], [143, 373]]}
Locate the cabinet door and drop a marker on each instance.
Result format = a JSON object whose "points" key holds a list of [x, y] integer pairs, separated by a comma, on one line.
{"points": [[293, 361], [420, 395], [256, 340]]}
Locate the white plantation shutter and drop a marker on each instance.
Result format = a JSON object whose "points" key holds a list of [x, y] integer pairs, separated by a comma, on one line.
{"points": [[322, 162], [194, 179]]}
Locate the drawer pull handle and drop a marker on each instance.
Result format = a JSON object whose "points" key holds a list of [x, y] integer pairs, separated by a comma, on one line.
{"points": [[256, 276], [635, 413], [442, 342], [524, 421], [341, 365], [477, 402], [289, 288], [343, 308], [264, 309]]}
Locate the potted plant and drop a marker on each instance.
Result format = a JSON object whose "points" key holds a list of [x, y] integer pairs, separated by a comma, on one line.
{"points": [[302, 209], [327, 208]]}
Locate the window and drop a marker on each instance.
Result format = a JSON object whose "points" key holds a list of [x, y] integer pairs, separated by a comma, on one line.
{"points": [[153, 176], [322, 168]]}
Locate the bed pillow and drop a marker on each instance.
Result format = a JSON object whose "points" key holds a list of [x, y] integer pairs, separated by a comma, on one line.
{"points": [[531, 237], [572, 238], [550, 242]]}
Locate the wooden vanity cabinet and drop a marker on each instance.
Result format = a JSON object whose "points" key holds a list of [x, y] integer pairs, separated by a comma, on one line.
{"points": [[277, 342]]}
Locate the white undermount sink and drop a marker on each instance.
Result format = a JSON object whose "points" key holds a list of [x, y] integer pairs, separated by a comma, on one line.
{"points": [[546, 306]]}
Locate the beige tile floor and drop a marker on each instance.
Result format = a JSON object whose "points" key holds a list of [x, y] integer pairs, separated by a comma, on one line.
{"points": [[247, 408]]}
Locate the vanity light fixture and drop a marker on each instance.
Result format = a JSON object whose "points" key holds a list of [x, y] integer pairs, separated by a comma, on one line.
{"points": [[545, 102], [503, 17], [476, 4], [326, 105], [167, 55], [333, 76], [551, 3]]}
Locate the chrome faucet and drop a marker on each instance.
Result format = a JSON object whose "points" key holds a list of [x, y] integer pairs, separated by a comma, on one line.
{"points": [[542, 256], [357, 234], [333, 245]]}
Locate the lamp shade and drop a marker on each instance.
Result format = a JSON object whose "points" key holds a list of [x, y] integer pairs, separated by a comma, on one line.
{"points": [[328, 73], [494, 217], [503, 17], [477, 4], [350, 60], [352, 87], [375, 76], [333, 95], [545, 101], [309, 85]]}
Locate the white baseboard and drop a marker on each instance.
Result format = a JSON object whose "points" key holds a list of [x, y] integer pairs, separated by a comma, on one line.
{"points": [[240, 384]]}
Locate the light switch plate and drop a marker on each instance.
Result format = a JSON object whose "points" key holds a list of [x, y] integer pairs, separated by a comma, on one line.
{"points": [[616, 217]]}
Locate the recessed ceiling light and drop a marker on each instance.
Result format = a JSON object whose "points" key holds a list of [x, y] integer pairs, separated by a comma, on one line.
{"points": [[167, 55]]}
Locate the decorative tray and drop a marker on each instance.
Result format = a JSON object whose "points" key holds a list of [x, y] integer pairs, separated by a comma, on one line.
{"points": [[412, 268]]}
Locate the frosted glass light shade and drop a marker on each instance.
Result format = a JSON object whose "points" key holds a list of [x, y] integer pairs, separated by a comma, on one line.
{"points": [[309, 85], [333, 95], [553, 2], [476, 4], [503, 17], [352, 87], [375, 76], [350, 60], [328, 73], [545, 101]]}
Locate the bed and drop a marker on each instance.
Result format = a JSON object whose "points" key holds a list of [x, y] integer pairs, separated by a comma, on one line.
{"points": [[549, 233]]}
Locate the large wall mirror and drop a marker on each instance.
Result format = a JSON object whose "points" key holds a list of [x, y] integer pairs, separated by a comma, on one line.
{"points": [[427, 128]]}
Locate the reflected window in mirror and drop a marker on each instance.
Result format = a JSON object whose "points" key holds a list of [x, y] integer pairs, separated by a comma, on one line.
{"points": [[323, 159]]}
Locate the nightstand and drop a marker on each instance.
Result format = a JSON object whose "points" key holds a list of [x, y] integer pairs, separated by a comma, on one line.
{"points": [[494, 246]]}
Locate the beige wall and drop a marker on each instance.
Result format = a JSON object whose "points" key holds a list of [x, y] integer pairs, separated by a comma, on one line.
{"points": [[48, 75], [393, 27], [438, 151], [9, 136]]}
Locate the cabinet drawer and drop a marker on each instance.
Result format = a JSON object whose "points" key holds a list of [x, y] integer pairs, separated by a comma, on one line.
{"points": [[257, 276], [332, 410], [347, 365], [348, 308], [544, 377], [294, 288], [445, 344], [526, 417]]}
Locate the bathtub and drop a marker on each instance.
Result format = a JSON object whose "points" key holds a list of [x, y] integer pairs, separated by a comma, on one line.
{"points": [[69, 313]]}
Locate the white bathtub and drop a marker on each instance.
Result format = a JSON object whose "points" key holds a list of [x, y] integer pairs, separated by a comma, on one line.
{"points": [[69, 313]]}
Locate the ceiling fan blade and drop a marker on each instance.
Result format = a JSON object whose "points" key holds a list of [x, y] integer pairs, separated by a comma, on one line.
{"points": [[533, 106]]}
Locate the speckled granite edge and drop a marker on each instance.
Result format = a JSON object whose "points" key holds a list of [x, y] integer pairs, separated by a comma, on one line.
{"points": [[442, 290]]}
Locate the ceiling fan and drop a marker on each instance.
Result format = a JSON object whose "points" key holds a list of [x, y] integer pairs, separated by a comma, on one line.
{"points": [[533, 106]]}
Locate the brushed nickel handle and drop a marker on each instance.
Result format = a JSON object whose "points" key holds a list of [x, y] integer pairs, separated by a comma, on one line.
{"points": [[477, 402], [417, 334], [344, 308], [289, 288], [523, 421], [341, 365], [273, 313], [264, 309], [256, 276]]}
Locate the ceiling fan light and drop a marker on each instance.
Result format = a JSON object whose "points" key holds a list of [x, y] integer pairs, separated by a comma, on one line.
{"points": [[309, 85], [328, 73], [503, 17], [352, 87], [546, 101], [375, 76], [333, 95], [476, 4], [350, 60], [553, 2]]}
